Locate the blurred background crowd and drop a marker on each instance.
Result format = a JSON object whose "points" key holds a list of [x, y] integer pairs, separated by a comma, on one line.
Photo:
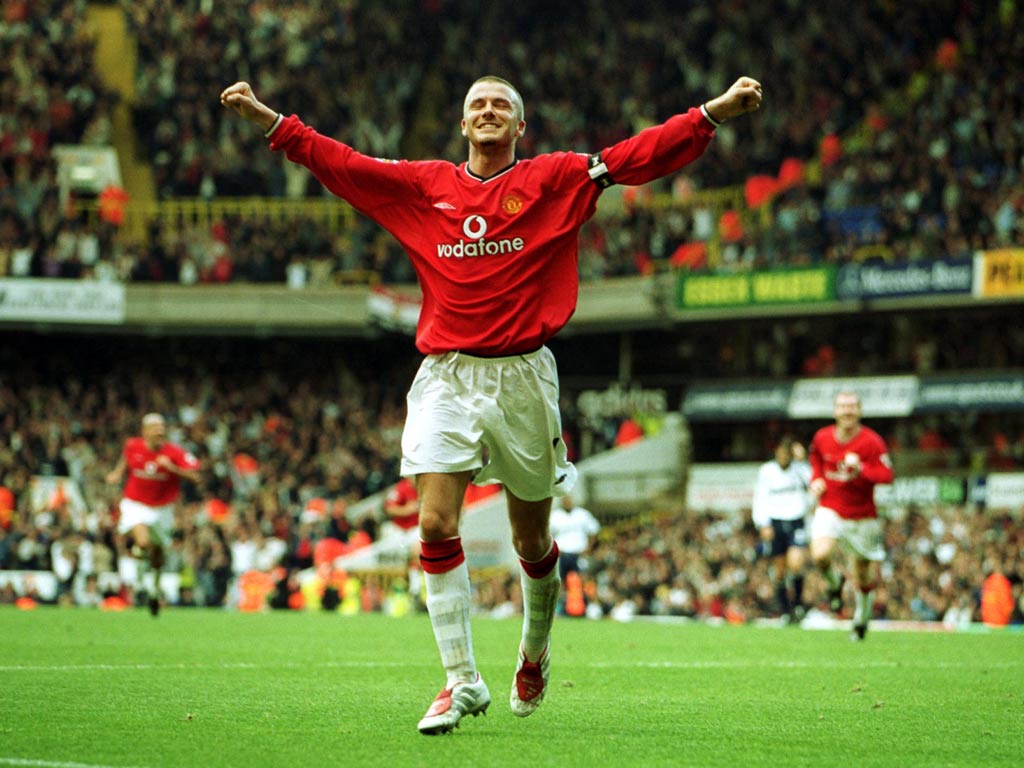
{"points": [[707, 566], [911, 152], [288, 450]]}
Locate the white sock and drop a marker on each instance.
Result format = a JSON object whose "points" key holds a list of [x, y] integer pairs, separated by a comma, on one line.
{"points": [[863, 606], [150, 580], [448, 603], [540, 598]]}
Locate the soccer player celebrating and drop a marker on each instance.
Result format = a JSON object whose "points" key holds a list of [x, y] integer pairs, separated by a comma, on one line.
{"points": [[494, 245], [156, 468], [847, 461], [781, 500]]}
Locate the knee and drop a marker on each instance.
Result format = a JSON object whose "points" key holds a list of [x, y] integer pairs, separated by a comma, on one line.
{"points": [[437, 524], [868, 573], [821, 553], [531, 545]]}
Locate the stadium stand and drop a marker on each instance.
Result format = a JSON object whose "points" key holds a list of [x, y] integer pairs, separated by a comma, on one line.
{"points": [[912, 155], [835, 173], [705, 566], [293, 433]]}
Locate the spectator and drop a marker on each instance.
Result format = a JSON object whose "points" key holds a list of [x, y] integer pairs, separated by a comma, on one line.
{"points": [[882, 194]]}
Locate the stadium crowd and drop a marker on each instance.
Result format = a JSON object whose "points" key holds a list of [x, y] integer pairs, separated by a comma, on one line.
{"points": [[292, 433], [835, 166], [912, 153], [50, 94], [285, 442], [707, 566]]}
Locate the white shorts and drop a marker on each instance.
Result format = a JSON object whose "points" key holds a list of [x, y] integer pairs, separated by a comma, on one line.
{"points": [[862, 537], [159, 520], [460, 404]]}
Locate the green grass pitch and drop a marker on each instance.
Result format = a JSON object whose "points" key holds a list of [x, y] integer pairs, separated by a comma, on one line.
{"points": [[211, 688]]}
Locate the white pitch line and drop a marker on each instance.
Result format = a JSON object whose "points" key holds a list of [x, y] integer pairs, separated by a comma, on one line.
{"points": [[52, 763], [850, 664], [226, 665]]}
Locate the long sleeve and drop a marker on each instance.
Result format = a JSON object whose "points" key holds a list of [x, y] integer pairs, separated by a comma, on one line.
{"points": [[761, 512], [815, 459], [363, 181], [659, 150], [878, 469]]}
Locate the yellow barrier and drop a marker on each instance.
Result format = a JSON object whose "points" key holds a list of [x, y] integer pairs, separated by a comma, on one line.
{"points": [[719, 199], [332, 214], [336, 216]]}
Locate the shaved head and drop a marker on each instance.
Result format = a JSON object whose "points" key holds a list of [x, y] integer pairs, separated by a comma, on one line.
{"points": [[517, 99], [153, 429], [151, 419]]}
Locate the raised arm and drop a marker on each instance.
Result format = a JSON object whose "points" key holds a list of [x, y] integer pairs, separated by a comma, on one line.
{"points": [[664, 149], [365, 182]]}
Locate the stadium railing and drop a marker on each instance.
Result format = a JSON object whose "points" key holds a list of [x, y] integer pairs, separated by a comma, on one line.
{"points": [[332, 214], [335, 215]]}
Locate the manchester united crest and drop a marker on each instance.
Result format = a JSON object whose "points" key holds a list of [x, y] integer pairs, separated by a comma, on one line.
{"points": [[512, 205]]}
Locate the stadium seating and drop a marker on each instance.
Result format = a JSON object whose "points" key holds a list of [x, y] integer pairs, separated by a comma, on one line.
{"points": [[909, 155], [838, 141]]}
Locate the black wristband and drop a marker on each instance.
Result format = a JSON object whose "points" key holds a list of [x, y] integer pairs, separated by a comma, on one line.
{"points": [[273, 125], [707, 113]]}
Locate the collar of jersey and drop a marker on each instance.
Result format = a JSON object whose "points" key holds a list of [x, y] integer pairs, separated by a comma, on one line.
{"points": [[493, 176]]}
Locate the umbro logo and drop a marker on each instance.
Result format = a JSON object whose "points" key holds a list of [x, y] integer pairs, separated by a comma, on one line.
{"points": [[445, 206]]}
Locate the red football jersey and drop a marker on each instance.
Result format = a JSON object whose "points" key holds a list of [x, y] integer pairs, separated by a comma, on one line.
{"points": [[147, 483], [850, 494], [496, 257], [401, 494]]}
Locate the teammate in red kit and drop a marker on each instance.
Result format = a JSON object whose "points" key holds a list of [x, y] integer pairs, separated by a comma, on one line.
{"points": [[494, 244], [847, 461], [402, 505], [155, 470]]}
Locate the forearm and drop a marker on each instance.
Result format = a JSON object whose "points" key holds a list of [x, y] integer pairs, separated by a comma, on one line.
{"points": [[188, 473], [877, 473], [363, 181], [815, 467], [759, 517], [661, 150], [117, 473], [267, 119], [325, 157], [716, 110]]}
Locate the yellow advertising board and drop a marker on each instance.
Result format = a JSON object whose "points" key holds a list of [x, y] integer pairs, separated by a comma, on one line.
{"points": [[999, 273]]}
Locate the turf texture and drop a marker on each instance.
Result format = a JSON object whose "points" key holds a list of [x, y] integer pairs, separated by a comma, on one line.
{"points": [[213, 688]]}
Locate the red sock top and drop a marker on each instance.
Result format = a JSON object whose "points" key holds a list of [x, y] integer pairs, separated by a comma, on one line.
{"points": [[441, 556], [544, 566]]}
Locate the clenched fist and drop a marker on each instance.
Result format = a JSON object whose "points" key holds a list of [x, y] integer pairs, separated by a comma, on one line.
{"points": [[241, 98]]}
